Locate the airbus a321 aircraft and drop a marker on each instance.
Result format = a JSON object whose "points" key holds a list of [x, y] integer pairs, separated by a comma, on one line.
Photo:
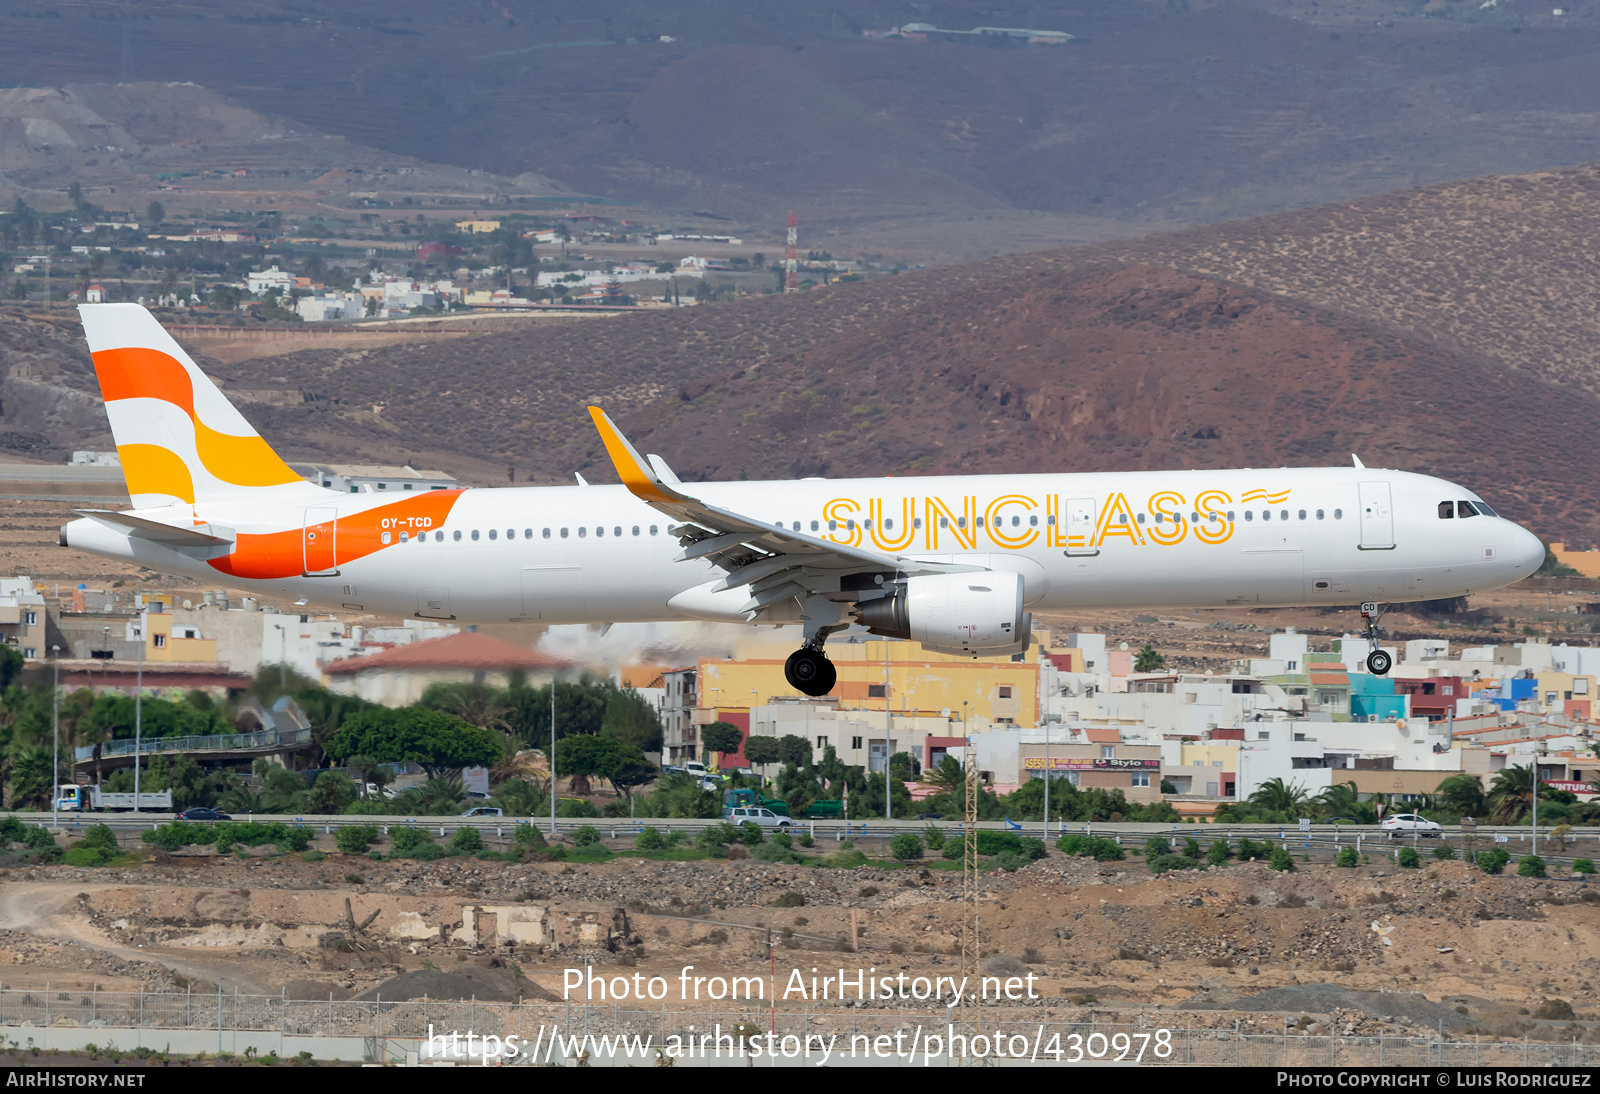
{"points": [[957, 563]]}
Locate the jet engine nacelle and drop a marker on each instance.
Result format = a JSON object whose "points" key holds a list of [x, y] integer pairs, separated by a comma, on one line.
{"points": [[976, 613]]}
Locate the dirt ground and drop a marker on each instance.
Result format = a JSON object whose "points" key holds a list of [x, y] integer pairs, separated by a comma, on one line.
{"points": [[1465, 951]]}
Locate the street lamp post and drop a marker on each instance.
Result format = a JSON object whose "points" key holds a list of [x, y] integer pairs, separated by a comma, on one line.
{"points": [[55, 736], [552, 757], [1047, 782], [138, 712]]}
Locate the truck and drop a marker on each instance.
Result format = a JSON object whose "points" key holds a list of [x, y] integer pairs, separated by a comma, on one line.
{"points": [[817, 810], [91, 799]]}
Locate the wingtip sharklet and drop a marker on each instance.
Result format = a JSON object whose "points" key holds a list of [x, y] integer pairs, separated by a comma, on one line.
{"points": [[636, 474]]}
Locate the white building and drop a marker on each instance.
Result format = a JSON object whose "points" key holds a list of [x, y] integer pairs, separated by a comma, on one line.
{"points": [[365, 478], [327, 307], [260, 281]]}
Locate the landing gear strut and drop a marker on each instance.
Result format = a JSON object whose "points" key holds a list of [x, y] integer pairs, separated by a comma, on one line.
{"points": [[1378, 661], [809, 671]]}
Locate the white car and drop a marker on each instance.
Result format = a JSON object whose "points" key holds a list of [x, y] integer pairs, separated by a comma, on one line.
{"points": [[695, 769], [756, 814], [1403, 823], [484, 811]]}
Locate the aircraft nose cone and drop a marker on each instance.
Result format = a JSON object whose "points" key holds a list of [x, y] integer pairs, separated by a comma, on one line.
{"points": [[1527, 550]]}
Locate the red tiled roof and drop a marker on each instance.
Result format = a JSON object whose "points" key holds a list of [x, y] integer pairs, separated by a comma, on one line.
{"points": [[467, 650], [1330, 678], [1104, 736]]}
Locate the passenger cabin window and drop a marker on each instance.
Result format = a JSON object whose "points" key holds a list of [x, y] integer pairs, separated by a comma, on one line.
{"points": [[617, 531], [652, 529], [474, 534], [1447, 510], [1319, 514], [582, 532], [563, 533], [1338, 514], [1248, 515], [547, 533], [494, 533], [438, 537], [635, 529], [600, 531], [456, 535]]}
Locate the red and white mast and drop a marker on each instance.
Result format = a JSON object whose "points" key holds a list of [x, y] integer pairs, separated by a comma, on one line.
{"points": [[791, 264]]}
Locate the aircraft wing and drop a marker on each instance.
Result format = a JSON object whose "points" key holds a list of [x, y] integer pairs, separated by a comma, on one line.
{"points": [[776, 562]]}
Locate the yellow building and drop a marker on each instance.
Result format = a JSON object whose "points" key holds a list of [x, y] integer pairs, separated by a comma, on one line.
{"points": [[1586, 563], [996, 690], [1564, 693], [166, 640], [477, 226]]}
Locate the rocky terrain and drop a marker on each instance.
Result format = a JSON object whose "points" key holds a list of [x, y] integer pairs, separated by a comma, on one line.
{"points": [[1364, 950]]}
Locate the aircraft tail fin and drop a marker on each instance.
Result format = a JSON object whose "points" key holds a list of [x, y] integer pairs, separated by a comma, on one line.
{"points": [[179, 439]]}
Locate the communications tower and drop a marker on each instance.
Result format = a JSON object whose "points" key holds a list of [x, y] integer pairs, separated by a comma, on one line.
{"points": [[791, 263]]}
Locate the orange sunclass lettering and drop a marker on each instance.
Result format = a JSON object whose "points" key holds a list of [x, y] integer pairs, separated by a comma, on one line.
{"points": [[1117, 521], [888, 537], [286, 553], [1168, 525], [843, 528], [994, 520], [940, 518], [1214, 525]]}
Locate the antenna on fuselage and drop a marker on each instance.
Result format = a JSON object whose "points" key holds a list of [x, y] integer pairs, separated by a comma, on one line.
{"points": [[581, 480], [1356, 460]]}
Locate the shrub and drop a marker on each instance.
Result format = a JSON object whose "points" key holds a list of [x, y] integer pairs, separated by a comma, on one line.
{"points": [[992, 843], [39, 839], [1346, 857], [1408, 858], [772, 851], [312, 856], [291, 838], [179, 834], [529, 838], [1160, 864], [1217, 853], [12, 830], [585, 835], [906, 845], [1583, 865], [1032, 849], [1191, 847], [953, 850], [650, 840], [1554, 1010], [673, 838], [1157, 846], [715, 835], [1250, 849], [426, 852], [80, 854], [353, 839], [1010, 861], [780, 838], [933, 836], [750, 834], [406, 840], [789, 899], [466, 841], [1106, 850], [1530, 866], [1280, 860], [806, 840], [1492, 862], [101, 836], [1072, 845], [1444, 852]]}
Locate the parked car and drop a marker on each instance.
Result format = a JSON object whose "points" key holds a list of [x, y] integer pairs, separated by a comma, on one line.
{"points": [[201, 813], [484, 811], [761, 815], [1404, 823], [695, 769]]}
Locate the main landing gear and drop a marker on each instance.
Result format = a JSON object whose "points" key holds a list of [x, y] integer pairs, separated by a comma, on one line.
{"points": [[1378, 661], [809, 671]]}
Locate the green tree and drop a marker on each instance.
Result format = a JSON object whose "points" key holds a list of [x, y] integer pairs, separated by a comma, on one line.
{"points": [[521, 798], [721, 737], [436, 741], [793, 749], [155, 213], [762, 750], [1148, 660], [950, 777], [441, 796], [631, 719], [1342, 800]]}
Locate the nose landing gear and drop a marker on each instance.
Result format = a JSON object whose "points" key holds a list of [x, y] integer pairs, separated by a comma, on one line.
{"points": [[1378, 661]]}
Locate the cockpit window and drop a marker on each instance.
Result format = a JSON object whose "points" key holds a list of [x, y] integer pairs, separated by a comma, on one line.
{"points": [[1466, 509], [1477, 503], [1447, 510]]}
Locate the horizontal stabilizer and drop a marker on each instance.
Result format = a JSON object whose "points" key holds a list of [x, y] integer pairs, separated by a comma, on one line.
{"points": [[168, 535]]}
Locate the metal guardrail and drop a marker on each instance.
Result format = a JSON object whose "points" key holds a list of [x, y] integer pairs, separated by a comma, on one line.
{"points": [[222, 742]]}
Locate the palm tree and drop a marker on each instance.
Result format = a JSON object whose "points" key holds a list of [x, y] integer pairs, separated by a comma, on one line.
{"points": [[436, 797], [1280, 797], [1461, 794], [1344, 801], [30, 777], [1511, 795], [520, 798], [948, 775], [239, 799]]}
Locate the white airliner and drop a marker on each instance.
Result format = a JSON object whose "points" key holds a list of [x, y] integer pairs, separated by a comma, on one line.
{"points": [[956, 562]]}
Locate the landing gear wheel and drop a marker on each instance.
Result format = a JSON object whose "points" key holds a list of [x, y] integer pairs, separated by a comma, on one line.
{"points": [[1379, 663], [809, 672]]}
